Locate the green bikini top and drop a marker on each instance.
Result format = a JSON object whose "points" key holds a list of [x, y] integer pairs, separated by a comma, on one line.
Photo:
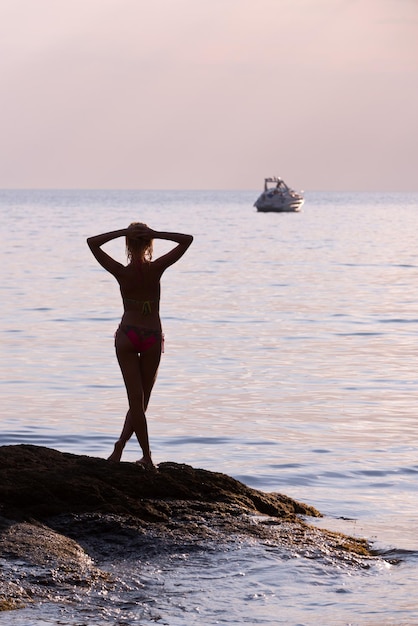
{"points": [[146, 305]]}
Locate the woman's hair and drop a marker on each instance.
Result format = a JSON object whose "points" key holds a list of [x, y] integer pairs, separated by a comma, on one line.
{"points": [[138, 249]]}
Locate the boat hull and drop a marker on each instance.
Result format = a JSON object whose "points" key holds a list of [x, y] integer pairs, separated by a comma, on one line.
{"points": [[264, 206]]}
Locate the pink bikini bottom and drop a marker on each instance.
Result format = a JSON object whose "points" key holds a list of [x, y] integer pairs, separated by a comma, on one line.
{"points": [[142, 338]]}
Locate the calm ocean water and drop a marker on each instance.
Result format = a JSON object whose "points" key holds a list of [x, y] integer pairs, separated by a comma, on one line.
{"points": [[291, 364]]}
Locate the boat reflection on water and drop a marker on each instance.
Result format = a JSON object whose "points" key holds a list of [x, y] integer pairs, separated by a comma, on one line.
{"points": [[278, 198]]}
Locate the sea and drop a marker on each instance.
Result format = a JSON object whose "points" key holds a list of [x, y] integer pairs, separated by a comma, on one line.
{"points": [[291, 364]]}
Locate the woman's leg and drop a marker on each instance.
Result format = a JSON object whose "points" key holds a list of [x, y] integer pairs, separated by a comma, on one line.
{"points": [[139, 374], [126, 434], [149, 362], [128, 429]]}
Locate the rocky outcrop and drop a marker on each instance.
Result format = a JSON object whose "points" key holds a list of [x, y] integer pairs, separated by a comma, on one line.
{"points": [[64, 515], [37, 482]]}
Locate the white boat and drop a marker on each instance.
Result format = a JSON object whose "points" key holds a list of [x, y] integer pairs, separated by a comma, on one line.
{"points": [[278, 198]]}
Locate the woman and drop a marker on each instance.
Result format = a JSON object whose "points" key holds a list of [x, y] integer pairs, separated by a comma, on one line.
{"points": [[139, 338]]}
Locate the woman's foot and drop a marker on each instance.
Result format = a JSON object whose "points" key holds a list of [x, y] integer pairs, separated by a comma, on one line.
{"points": [[117, 452], [146, 463]]}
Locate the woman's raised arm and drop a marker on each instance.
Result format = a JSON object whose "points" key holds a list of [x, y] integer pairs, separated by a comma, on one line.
{"points": [[105, 260], [183, 242]]}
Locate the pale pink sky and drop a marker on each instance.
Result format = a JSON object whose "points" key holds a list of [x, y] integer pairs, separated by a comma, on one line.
{"points": [[209, 94]]}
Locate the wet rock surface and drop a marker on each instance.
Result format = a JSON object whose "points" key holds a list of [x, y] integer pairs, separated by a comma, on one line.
{"points": [[64, 516]]}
